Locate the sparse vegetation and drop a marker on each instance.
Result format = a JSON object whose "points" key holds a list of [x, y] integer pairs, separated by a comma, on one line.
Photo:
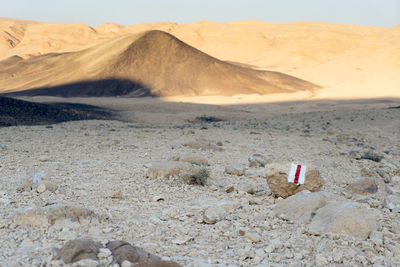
{"points": [[201, 176]]}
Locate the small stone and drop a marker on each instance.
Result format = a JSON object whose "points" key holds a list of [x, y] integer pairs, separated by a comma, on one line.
{"points": [[320, 260], [270, 248], [44, 158], [392, 203], [181, 240], [126, 264], [253, 236], [277, 179], [86, 263], [372, 155], [230, 189], [158, 198], [395, 228], [235, 170], [213, 214], [363, 186], [123, 251], [104, 253], [355, 154], [107, 230], [41, 188], [377, 238], [79, 249], [117, 194], [257, 160]]}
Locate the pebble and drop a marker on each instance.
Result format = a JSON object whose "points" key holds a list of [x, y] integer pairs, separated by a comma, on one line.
{"points": [[253, 236], [213, 214]]}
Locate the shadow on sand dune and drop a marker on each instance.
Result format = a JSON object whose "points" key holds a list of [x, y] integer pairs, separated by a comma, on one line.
{"points": [[18, 112], [95, 88]]}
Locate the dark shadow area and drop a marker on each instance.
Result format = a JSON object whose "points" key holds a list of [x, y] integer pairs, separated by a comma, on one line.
{"points": [[206, 119], [96, 88], [18, 112]]}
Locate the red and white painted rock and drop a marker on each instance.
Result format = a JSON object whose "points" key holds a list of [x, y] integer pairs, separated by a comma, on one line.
{"points": [[288, 179]]}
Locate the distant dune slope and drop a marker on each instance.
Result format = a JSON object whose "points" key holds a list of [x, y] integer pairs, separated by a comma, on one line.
{"points": [[152, 63], [356, 61]]}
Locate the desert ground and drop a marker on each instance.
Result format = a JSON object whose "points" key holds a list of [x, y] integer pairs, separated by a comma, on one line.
{"points": [[102, 166], [179, 139]]}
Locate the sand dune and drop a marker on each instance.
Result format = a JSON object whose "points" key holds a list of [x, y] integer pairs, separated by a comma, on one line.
{"points": [[348, 61], [153, 63]]}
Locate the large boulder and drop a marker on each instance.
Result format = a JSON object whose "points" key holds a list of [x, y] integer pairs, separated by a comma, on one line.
{"points": [[301, 207], [344, 218], [168, 168], [277, 179]]}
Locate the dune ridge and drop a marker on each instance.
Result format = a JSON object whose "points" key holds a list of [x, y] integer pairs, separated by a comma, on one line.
{"points": [[153, 62]]}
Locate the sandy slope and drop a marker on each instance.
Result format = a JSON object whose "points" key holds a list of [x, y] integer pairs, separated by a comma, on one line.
{"points": [[151, 62], [349, 61]]}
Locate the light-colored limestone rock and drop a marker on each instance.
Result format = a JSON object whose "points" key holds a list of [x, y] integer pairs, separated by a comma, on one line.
{"points": [[48, 215], [235, 170], [344, 218], [301, 207], [213, 214]]}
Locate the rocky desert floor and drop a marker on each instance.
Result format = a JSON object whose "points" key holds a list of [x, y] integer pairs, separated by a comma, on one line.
{"points": [[97, 183]]}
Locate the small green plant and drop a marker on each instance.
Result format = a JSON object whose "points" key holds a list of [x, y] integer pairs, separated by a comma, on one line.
{"points": [[201, 176]]}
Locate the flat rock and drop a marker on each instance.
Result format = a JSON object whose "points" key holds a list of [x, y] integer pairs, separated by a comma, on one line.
{"points": [[344, 218], [277, 175], [168, 168], [123, 251], [363, 186], [79, 249], [301, 207], [257, 160], [48, 215], [235, 170]]}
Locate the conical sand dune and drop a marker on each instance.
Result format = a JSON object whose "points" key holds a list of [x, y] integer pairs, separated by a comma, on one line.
{"points": [[153, 60]]}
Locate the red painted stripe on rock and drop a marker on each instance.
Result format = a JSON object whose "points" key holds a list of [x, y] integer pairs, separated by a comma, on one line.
{"points": [[297, 175]]}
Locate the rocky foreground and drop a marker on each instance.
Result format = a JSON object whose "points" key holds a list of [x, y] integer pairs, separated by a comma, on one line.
{"points": [[203, 193]]}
